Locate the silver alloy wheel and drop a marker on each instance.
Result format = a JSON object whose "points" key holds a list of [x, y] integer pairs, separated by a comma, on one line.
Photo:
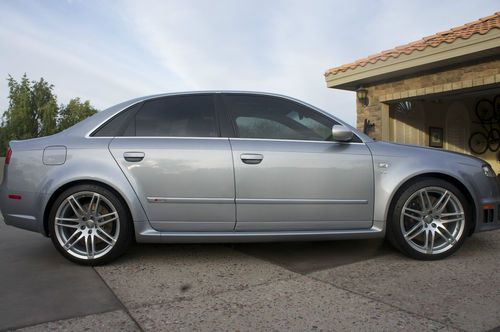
{"points": [[432, 220], [87, 225]]}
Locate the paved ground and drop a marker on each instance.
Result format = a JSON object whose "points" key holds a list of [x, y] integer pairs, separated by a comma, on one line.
{"points": [[354, 285]]}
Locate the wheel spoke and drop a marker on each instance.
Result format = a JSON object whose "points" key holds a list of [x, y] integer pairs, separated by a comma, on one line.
{"points": [[430, 246], [422, 200], [452, 214], [416, 230], [96, 198], [447, 221], [420, 213], [77, 208], [113, 215], [87, 246], [442, 202], [66, 246], [446, 235], [61, 222], [426, 242], [103, 239], [413, 217], [425, 199], [109, 239], [92, 244]]}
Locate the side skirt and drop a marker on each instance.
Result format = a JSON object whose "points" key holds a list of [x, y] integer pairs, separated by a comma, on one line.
{"points": [[145, 234]]}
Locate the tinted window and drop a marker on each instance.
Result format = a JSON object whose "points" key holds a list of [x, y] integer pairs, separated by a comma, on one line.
{"points": [[276, 118], [117, 125], [187, 116]]}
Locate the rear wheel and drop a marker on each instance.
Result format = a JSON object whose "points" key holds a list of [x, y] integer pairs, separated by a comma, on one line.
{"points": [[90, 225], [430, 220]]}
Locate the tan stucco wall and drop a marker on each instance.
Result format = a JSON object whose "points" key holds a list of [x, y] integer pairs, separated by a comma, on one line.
{"points": [[459, 79]]}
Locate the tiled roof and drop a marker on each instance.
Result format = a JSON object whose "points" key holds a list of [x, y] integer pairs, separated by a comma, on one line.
{"points": [[481, 26]]}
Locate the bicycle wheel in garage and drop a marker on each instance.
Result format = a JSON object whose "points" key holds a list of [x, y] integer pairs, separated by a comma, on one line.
{"points": [[494, 140], [485, 110], [478, 143], [496, 105]]}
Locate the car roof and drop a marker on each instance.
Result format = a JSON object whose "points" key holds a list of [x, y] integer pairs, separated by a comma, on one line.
{"points": [[89, 125]]}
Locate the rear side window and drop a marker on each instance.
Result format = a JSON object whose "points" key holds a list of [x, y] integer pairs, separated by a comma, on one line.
{"points": [[177, 116], [118, 125]]}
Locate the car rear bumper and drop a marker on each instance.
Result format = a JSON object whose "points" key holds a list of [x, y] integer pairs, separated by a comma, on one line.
{"points": [[21, 213]]}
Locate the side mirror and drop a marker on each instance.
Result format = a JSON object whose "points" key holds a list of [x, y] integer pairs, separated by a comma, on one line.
{"points": [[341, 133]]}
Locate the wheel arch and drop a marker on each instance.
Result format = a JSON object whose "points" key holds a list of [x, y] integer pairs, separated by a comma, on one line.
{"points": [[436, 175], [74, 183]]}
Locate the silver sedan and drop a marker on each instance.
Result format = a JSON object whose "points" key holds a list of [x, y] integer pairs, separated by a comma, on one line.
{"points": [[237, 166]]}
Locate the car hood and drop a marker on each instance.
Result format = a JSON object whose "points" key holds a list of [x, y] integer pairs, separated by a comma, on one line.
{"points": [[389, 149]]}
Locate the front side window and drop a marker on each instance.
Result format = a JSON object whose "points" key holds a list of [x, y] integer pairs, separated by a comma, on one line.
{"points": [[177, 116], [276, 118]]}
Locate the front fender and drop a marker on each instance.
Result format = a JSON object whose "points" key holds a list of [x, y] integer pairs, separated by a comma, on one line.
{"points": [[395, 165]]}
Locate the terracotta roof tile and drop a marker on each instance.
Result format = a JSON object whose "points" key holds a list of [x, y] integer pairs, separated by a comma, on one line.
{"points": [[481, 26]]}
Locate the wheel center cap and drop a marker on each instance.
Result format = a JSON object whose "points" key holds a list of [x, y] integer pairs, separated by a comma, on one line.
{"points": [[428, 219], [90, 223]]}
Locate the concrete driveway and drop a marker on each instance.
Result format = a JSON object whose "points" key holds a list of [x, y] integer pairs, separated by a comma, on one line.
{"points": [[353, 285], [342, 285]]}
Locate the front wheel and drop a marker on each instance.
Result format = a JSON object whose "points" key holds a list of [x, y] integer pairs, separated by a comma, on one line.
{"points": [[430, 220], [90, 225]]}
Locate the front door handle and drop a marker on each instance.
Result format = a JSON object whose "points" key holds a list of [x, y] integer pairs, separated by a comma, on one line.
{"points": [[133, 156], [251, 158]]}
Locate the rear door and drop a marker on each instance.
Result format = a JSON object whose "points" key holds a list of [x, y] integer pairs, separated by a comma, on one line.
{"points": [[178, 164], [290, 175]]}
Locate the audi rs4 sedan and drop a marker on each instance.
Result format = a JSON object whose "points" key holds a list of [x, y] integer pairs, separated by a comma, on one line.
{"points": [[228, 166]]}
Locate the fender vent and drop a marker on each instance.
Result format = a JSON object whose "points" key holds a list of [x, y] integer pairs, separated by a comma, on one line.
{"points": [[488, 215]]}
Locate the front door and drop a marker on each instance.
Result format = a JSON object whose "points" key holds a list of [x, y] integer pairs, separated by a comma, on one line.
{"points": [[290, 175], [179, 166]]}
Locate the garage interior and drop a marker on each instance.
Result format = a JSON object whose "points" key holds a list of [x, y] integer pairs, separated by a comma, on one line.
{"points": [[465, 121]]}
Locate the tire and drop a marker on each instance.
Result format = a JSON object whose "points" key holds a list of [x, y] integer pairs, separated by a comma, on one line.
{"points": [[424, 232], [478, 143], [90, 225]]}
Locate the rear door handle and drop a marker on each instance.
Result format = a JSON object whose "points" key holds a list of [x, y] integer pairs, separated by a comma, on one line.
{"points": [[251, 158], [133, 156]]}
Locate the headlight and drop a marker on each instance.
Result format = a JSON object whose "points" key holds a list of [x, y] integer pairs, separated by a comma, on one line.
{"points": [[488, 171]]}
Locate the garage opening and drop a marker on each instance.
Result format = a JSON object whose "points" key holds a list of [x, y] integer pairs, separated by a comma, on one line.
{"points": [[465, 121]]}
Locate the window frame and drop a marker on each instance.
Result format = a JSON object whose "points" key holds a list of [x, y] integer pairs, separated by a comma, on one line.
{"points": [[187, 95], [123, 127], [232, 118], [139, 106]]}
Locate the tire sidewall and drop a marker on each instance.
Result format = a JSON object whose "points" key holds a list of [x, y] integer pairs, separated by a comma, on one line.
{"points": [[395, 233], [125, 233]]}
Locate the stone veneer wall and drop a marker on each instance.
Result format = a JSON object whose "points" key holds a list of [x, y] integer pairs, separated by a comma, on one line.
{"points": [[468, 76]]}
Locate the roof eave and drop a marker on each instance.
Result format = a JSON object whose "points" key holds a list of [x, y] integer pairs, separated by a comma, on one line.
{"points": [[461, 50]]}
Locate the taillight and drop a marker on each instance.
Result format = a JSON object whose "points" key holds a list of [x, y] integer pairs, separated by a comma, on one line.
{"points": [[8, 155]]}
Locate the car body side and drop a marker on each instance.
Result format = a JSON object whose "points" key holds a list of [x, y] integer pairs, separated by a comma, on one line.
{"points": [[88, 159]]}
